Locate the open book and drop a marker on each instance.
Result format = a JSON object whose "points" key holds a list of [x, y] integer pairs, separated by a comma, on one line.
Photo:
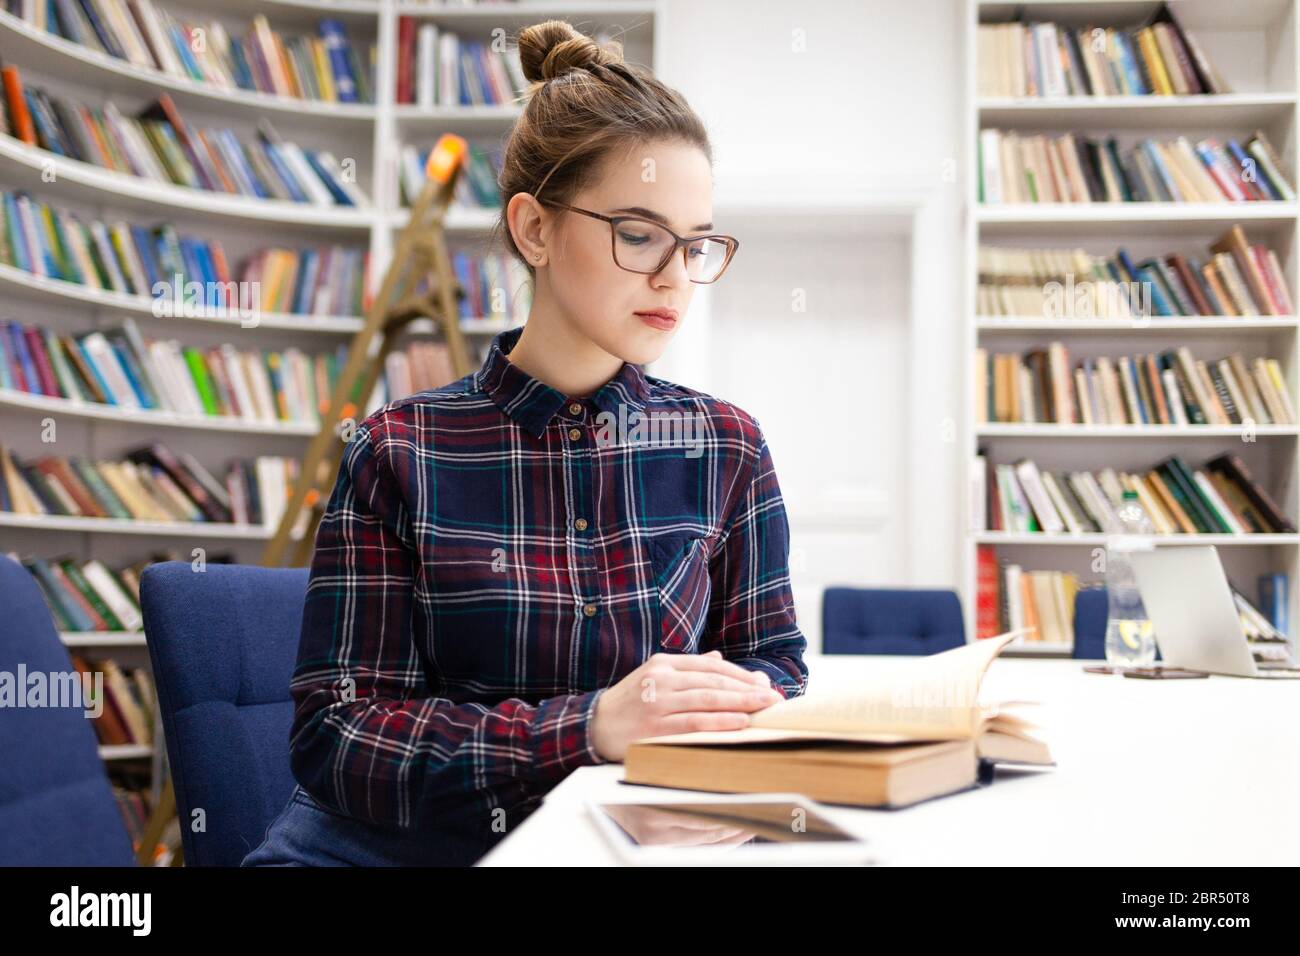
{"points": [[906, 729]]}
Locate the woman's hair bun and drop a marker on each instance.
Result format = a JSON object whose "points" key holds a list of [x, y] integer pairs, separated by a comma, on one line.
{"points": [[550, 49]]}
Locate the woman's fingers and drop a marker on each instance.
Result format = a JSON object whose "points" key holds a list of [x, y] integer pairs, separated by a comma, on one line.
{"points": [[717, 665], [708, 699], [684, 680], [685, 723]]}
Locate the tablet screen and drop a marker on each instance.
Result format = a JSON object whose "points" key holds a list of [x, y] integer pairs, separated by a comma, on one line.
{"points": [[723, 824]]}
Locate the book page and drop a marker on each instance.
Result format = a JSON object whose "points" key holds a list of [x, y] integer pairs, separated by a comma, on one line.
{"points": [[933, 697]]}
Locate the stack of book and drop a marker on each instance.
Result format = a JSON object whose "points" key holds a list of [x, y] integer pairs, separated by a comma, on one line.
{"points": [[496, 286], [119, 367], [324, 67], [1168, 388], [153, 483], [134, 805], [1220, 498], [88, 595], [417, 367], [1237, 278], [327, 280], [158, 145], [476, 189], [127, 714], [1049, 59], [54, 243], [1040, 600], [1264, 626], [1018, 167], [436, 68]]}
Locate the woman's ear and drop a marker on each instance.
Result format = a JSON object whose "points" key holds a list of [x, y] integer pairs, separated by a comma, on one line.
{"points": [[528, 222]]}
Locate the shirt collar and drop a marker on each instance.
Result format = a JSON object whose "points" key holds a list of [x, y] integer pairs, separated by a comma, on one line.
{"points": [[532, 403]]}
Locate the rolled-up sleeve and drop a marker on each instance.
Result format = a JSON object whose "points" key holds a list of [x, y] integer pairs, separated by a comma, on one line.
{"points": [[367, 738], [751, 613]]}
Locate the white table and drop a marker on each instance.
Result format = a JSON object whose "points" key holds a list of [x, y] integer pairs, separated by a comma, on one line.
{"points": [[1201, 772]]}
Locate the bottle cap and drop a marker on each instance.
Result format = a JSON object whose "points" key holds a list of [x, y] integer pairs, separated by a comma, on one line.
{"points": [[1130, 495]]}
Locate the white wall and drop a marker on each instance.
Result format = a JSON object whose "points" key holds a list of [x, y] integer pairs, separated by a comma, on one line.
{"points": [[831, 99]]}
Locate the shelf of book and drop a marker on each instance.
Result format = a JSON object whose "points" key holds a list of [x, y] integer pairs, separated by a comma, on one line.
{"points": [[52, 175], [370, 133], [158, 419], [1014, 430], [1049, 538], [1241, 72], [1105, 214], [20, 282], [181, 529], [1232, 324], [1136, 112], [18, 38]]}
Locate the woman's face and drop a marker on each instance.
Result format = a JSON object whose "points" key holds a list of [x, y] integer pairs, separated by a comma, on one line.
{"points": [[669, 183]]}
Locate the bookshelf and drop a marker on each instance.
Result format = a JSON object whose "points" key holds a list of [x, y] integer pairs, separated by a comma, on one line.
{"points": [[1253, 44], [370, 133]]}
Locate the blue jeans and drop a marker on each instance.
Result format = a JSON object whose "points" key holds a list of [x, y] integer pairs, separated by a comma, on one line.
{"points": [[309, 834]]}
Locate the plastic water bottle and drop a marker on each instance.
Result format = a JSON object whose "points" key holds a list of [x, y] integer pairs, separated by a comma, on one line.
{"points": [[1130, 636]]}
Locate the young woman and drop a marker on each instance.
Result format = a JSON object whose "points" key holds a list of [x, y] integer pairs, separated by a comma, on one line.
{"points": [[518, 574]]}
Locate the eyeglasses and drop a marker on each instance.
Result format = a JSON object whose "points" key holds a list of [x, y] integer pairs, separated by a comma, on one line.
{"points": [[640, 245]]}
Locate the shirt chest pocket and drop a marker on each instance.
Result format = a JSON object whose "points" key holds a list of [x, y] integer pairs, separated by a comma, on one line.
{"points": [[681, 573]]}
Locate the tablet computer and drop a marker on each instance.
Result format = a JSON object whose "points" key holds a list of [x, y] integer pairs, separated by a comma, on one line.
{"points": [[783, 829]]}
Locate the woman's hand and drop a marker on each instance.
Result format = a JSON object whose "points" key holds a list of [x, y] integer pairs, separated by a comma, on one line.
{"points": [[676, 694]]}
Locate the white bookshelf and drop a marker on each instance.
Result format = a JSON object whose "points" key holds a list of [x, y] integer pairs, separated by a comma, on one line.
{"points": [[1254, 45], [371, 133]]}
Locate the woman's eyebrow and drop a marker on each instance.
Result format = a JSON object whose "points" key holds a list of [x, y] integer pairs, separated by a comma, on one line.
{"points": [[657, 217]]}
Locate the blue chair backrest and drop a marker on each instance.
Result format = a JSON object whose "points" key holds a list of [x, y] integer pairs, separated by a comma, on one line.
{"points": [[890, 621], [224, 644], [56, 805], [1090, 613]]}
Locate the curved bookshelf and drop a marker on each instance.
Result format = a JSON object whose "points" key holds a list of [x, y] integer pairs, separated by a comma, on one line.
{"points": [[154, 418], [125, 77], [21, 281], [308, 11], [375, 126], [93, 181]]}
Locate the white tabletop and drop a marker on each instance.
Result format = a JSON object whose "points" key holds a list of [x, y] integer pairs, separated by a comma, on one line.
{"points": [[1199, 772]]}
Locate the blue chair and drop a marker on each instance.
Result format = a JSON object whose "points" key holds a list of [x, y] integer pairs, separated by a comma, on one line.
{"points": [[890, 621], [1091, 612], [224, 644], [56, 805]]}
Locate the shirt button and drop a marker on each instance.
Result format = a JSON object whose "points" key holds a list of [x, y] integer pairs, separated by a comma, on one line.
{"points": [[581, 524], [575, 409], [575, 434], [589, 610]]}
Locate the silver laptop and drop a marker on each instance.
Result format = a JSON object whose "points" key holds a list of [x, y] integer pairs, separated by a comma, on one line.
{"points": [[1197, 626]]}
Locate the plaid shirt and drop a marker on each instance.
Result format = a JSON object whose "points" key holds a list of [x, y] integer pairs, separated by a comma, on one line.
{"points": [[494, 554]]}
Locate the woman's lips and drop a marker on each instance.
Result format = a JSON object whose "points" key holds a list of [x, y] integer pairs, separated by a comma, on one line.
{"points": [[656, 320]]}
